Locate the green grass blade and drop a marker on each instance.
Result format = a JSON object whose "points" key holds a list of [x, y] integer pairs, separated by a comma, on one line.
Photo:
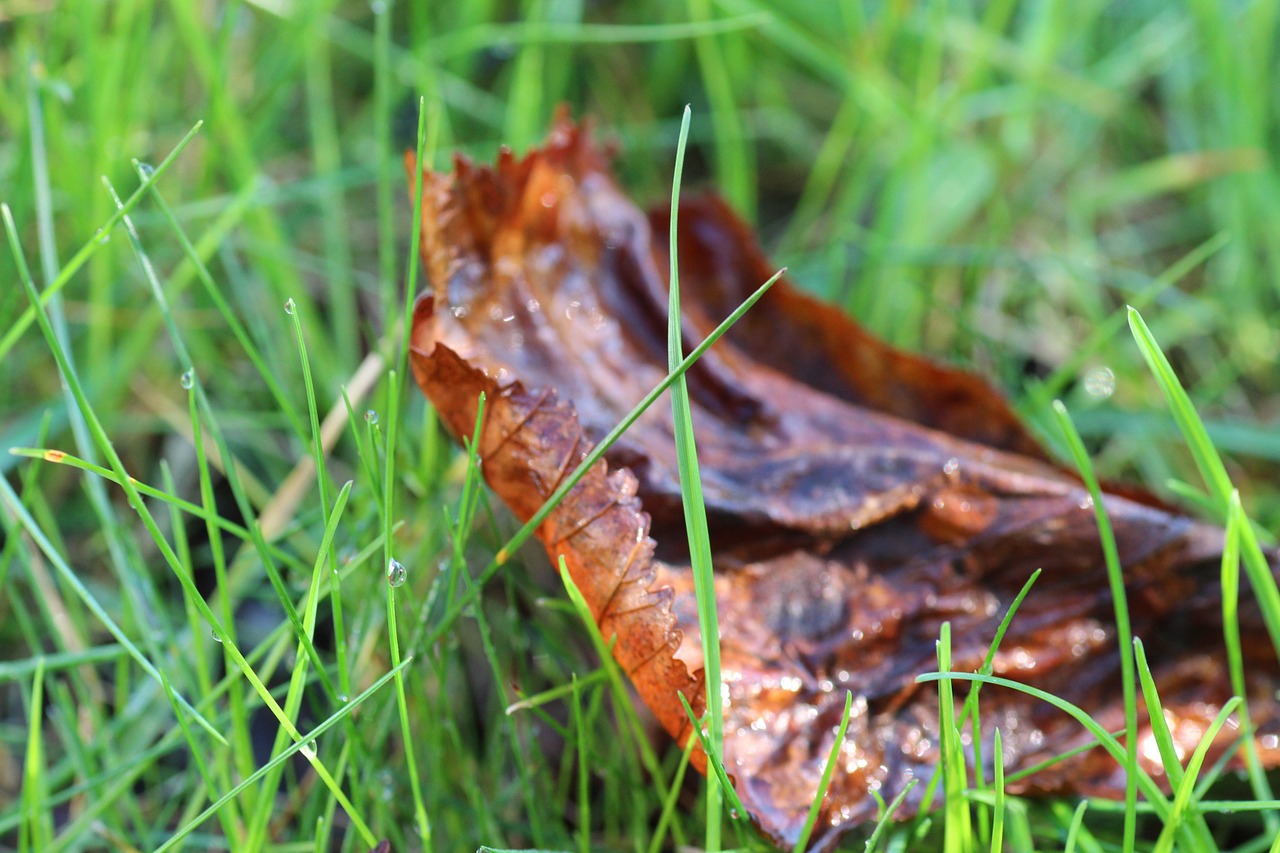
{"points": [[1212, 470], [25, 319], [958, 829], [824, 783], [1105, 739], [300, 745], [1186, 787], [695, 513], [1124, 636], [1155, 711], [997, 824], [37, 825], [886, 818]]}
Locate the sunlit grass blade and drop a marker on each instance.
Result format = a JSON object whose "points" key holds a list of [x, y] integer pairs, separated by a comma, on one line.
{"points": [[1104, 738], [997, 824], [1236, 522], [394, 568], [1155, 711], [300, 745], [73, 581], [1212, 470], [971, 712], [695, 513], [621, 696], [1186, 786], [191, 377], [139, 506], [211, 289], [24, 320], [1074, 828], [715, 764], [885, 820], [828, 771], [1124, 636], [299, 677], [958, 829], [1150, 789], [37, 824]]}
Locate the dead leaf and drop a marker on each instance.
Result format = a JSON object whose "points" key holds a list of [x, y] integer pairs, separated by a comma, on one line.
{"points": [[858, 498]]}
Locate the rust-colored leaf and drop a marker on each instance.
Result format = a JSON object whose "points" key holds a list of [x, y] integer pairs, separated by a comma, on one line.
{"points": [[858, 497]]}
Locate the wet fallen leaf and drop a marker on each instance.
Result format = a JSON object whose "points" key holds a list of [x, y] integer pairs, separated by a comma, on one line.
{"points": [[858, 498]]}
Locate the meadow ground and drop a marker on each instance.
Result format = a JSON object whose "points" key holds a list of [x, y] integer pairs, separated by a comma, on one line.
{"points": [[987, 183]]}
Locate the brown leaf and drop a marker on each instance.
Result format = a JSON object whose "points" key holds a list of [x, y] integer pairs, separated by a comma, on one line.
{"points": [[858, 498]]}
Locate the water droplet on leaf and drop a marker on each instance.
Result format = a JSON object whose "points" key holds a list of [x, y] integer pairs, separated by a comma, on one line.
{"points": [[188, 379], [396, 573], [370, 417], [289, 305]]}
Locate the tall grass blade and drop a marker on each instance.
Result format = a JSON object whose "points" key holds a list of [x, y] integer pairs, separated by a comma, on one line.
{"points": [[695, 513], [1124, 635]]}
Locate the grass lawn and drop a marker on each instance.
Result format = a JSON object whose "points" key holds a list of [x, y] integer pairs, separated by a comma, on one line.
{"points": [[260, 619]]}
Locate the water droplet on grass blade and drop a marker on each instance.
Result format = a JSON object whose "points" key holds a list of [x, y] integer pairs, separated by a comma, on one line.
{"points": [[308, 749], [188, 379], [370, 417], [396, 573], [1100, 383], [215, 636], [146, 170], [289, 306]]}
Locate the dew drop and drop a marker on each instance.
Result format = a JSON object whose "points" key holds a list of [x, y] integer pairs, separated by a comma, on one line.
{"points": [[344, 698], [388, 785], [289, 305], [102, 236], [1100, 383], [188, 379], [396, 573], [215, 636], [308, 749], [370, 417], [146, 170]]}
